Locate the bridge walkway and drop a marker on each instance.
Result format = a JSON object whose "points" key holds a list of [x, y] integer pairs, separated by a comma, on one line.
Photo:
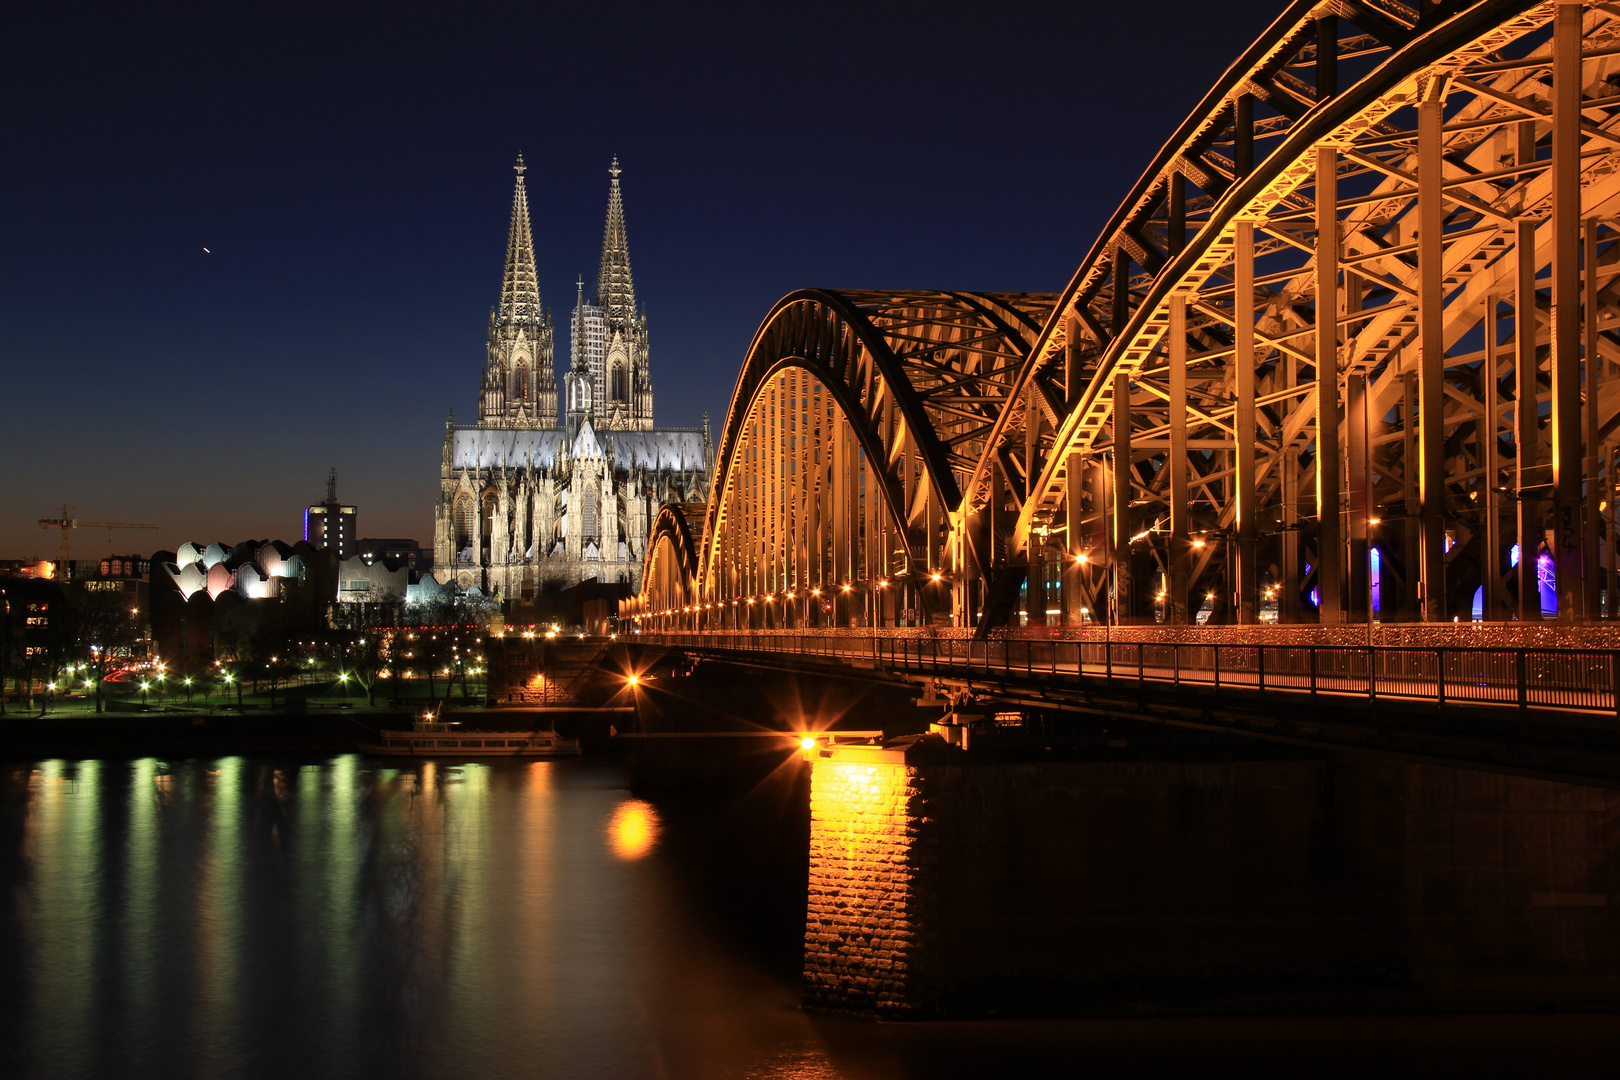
{"points": [[1547, 712], [1528, 679]]}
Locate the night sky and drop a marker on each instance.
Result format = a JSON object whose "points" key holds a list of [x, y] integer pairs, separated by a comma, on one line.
{"points": [[351, 176]]}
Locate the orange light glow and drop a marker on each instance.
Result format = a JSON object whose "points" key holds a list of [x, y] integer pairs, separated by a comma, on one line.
{"points": [[807, 743], [632, 831]]}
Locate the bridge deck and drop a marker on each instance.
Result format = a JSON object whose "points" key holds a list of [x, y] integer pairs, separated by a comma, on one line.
{"points": [[1526, 679]]}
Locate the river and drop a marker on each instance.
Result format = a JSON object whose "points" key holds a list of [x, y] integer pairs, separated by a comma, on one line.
{"points": [[239, 917]]}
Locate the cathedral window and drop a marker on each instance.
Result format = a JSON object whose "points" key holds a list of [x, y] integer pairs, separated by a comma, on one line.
{"points": [[464, 522], [621, 388], [522, 383], [592, 497]]}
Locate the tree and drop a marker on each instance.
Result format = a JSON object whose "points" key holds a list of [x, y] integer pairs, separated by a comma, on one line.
{"points": [[368, 632], [104, 634]]}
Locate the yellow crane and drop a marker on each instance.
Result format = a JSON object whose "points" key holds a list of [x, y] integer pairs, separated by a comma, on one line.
{"points": [[67, 523]]}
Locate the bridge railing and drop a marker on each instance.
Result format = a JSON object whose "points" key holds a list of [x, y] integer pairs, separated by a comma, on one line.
{"points": [[1584, 680]]}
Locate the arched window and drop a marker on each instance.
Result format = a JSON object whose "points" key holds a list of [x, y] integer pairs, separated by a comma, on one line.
{"points": [[593, 495], [464, 522], [523, 382], [621, 385]]}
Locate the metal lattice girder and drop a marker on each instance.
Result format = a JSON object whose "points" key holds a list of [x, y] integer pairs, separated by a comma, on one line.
{"points": [[1426, 196], [855, 419], [1426, 143], [670, 566]]}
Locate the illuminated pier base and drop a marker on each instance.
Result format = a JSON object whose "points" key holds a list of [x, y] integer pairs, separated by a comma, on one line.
{"points": [[944, 886]]}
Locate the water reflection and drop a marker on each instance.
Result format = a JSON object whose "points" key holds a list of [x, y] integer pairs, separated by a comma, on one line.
{"points": [[633, 829], [242, 917]]}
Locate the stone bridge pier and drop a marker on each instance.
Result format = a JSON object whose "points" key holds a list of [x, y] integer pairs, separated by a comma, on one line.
{"points": [[944, 883]]}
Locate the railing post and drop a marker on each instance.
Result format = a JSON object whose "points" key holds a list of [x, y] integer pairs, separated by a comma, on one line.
{"points": [[1175, 662], [1440, 676], [1372, 673], [1522, 678], [1108, 659], [1141, 665], [1260, 665], [1311, 656], [1614, 681], [1217, 654]]}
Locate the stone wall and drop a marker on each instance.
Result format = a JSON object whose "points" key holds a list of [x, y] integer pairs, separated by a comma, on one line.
{"points": [[864, 849], [945, 886]]}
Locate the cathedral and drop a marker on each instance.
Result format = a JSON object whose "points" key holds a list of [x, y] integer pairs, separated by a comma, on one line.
{"points": [[529, 497]]}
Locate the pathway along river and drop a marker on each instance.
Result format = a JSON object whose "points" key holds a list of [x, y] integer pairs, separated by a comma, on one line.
{"points": [[240, 917]]}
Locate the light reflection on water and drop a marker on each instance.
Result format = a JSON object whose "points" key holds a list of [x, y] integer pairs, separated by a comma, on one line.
{"points": [[242, 917]]}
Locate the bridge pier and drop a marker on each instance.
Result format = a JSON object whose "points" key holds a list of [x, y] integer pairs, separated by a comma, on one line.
{"points": [[949, 883]]}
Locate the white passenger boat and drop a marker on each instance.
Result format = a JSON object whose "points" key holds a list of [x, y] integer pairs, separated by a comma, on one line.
{"points": [[447, 738]]}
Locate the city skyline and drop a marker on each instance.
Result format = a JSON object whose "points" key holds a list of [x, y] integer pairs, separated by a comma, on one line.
{"points": [[351, 189]]}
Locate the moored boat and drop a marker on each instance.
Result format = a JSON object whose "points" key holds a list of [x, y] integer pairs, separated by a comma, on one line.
{"points": [[447, 738]]}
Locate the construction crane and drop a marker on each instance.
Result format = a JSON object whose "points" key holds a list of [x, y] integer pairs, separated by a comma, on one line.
{"points": [[67, 523]]}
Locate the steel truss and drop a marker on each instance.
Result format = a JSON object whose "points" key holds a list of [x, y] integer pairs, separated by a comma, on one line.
{"points": [[1428, 198], [854, 422]]}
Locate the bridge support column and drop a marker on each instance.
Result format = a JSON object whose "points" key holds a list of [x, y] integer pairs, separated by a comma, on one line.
{"points": [[1490, 526], [1591, 509], [1180, 551], [1328, 555], [1568, 558], [1246, 580], [1070, 568], [1075, 523], [1358, 438], [1526, 423], [1431, 353], [1120, 562], [1295, 510]]}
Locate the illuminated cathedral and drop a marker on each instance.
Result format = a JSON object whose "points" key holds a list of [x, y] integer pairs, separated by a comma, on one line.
{"points": [[528, 496]]}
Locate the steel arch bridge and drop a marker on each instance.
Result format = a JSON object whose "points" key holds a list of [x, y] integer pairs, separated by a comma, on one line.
{"points": [[1305, 334]]}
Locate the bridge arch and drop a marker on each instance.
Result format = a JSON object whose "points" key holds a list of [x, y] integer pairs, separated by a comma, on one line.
{"points": [[1195, 459], [1302, 336], [893, 393], [670, 564]]}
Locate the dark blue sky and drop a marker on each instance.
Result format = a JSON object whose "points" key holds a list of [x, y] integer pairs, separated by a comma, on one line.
{"points": [[351, 174]]}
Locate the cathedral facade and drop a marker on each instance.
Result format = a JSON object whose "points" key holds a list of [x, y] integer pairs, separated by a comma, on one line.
{"points": [[528, 496]]}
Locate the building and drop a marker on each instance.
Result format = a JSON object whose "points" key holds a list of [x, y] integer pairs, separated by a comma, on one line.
{"points": [[531, 500], [409, 552], [203, 593], [331, 524]]}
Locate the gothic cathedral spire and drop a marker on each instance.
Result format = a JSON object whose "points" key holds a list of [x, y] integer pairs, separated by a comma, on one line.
{"points": [[615, 289], [520, 288], [519, 388]]}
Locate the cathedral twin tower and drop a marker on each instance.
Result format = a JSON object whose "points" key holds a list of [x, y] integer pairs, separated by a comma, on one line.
{"points": [[529, 498], [608, 380]]}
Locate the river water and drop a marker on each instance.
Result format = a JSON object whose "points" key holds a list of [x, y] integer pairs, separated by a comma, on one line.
{"points": [[339, 918]]}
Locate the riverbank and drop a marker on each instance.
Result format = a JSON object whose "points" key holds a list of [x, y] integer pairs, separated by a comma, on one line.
{"points": [[252, 732], [189, 734]]}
